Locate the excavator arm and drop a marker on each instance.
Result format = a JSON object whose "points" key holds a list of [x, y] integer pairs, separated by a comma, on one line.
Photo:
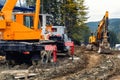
{"points": [[103, 26], [102, 35], [37, 14]]}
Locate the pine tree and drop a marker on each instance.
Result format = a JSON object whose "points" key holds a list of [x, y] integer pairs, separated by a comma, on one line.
{"points": [[74, 19], [53, 7], [30, 2]]}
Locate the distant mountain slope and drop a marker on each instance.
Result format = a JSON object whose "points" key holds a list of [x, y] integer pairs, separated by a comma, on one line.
{"points": [[114, 25], [93, 25]]}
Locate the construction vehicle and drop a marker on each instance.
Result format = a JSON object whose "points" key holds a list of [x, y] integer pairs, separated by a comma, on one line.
{"points": [[59, 34], [100, 42], [22, 38]]}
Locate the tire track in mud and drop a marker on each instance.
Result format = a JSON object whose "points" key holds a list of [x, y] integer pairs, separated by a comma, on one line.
{"points": [[104, 69], [65, 69]]}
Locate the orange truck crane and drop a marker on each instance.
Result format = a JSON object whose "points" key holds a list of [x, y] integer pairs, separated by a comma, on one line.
{"points": [[21, 36], [20, 28], [100, 41]]}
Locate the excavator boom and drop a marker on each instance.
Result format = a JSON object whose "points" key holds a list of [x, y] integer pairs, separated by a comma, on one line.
{"points": [[102, 25], [37, 14]]}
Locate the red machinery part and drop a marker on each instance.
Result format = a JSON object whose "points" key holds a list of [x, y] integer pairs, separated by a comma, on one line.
{"points": [[71, 44], [50, 47], [72, 50], [55, 56], [54, 49], [26, 52]]}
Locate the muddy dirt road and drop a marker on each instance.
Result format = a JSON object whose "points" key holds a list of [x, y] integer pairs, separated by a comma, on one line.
{"points": [[87, 65]]}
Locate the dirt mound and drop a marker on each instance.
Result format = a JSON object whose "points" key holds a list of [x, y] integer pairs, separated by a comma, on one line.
{"points": [[99, 67]]}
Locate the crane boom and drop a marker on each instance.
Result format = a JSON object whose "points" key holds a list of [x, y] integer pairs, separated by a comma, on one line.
{"points": [[8, 8], [37, 14], [17, 24]]}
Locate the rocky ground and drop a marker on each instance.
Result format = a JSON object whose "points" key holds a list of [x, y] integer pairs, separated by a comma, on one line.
{"points": [[87, 65]]}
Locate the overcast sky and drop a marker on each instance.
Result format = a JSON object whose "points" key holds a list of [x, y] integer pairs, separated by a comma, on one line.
{"points": [[97, 9]]}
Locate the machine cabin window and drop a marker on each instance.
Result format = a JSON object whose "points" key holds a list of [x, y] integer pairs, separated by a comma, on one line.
{"points": [[54, 29], [28, 21]]}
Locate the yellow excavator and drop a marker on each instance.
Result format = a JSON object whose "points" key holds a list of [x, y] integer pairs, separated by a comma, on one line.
{"points": [[100, 41]]}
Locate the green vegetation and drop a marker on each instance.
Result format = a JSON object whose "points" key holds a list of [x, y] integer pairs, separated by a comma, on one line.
{"points": [[69, 13], [75, 18]]}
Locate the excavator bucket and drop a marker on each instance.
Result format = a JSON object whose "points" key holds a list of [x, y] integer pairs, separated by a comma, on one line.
{"points": [[104, 49]]}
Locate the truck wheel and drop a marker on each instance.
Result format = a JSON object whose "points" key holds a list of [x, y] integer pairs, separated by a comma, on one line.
{"points": [[44, 57], [50, 56], [9, 59], [10, 63]]}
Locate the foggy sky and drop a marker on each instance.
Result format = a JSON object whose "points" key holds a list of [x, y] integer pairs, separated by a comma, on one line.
{"points": [[97, 9]]}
